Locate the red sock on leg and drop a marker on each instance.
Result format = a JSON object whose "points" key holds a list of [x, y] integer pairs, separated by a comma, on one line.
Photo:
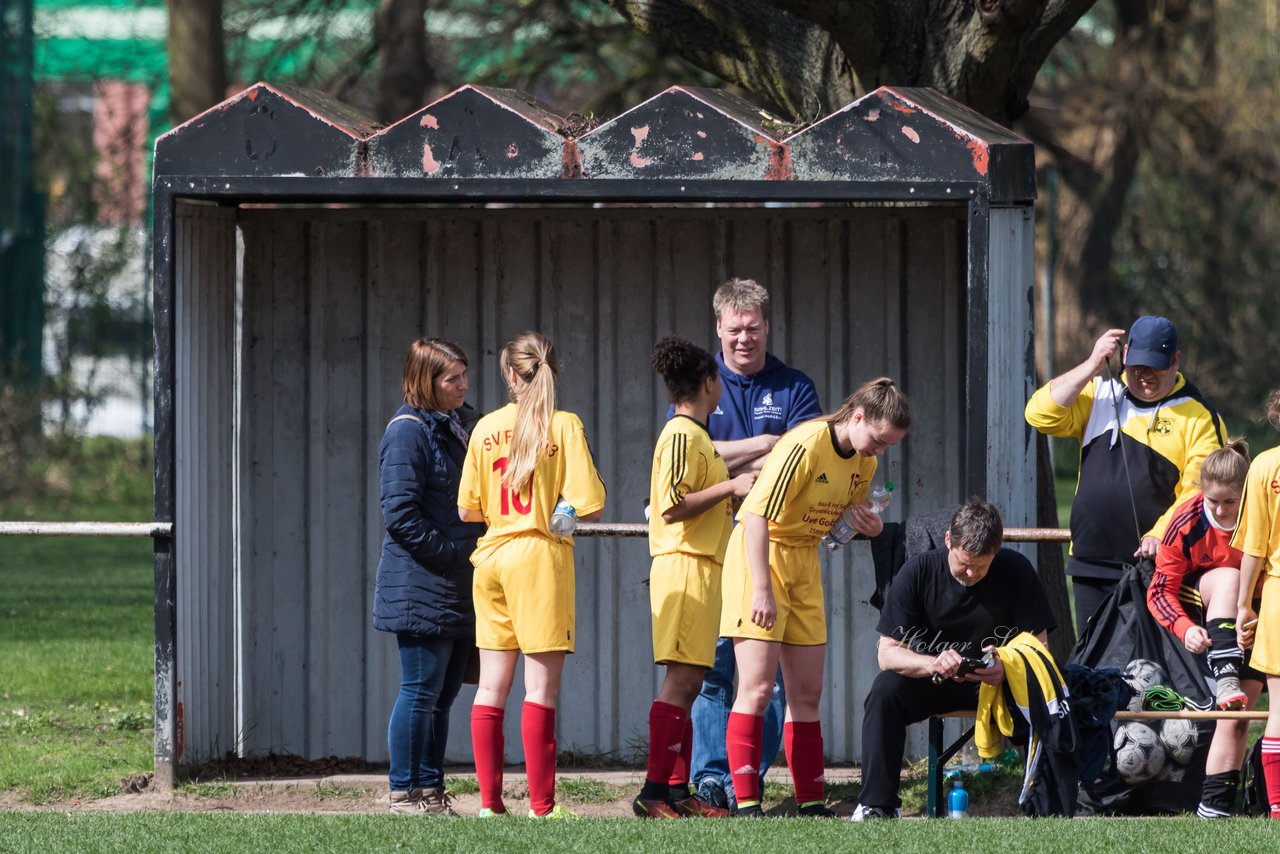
{"points": [[666, 728], [487, 745], [744, 739], [538, 728], [1271, 770], [803, 740], [679, 778]]}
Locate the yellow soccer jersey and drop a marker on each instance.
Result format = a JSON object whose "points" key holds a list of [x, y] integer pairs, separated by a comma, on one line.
{"points": [[1258, 531], [565, 469], [685, 461], [806, 484]]}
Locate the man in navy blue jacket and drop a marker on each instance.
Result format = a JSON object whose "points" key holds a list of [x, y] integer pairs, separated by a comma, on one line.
{"points": [[762, 399]]}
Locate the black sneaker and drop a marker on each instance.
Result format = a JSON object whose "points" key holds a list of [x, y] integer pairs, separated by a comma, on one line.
{"points": [[815, 811], [753, 811], [866, 813]]}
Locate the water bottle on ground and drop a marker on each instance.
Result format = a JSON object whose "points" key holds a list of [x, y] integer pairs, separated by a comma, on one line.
{"points": [[880, 497], [957, 800], [563, 519]]}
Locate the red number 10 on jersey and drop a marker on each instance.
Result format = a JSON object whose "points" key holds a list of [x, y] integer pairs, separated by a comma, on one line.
{"points": [[509, 498]]}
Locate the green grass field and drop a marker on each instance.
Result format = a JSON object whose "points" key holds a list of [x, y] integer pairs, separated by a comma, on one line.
{"points": [[76, 634], [76, 832]]}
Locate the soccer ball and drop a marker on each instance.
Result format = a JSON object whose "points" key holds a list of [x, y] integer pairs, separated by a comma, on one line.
{"points": [[1141, 674], [1139, 756], [1180, 738]]}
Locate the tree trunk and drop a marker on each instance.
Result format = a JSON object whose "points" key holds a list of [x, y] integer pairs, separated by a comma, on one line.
{"points": [[197, 57], [404, 71]]}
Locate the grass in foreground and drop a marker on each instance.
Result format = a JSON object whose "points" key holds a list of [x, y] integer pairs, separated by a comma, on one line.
{"points": [[76, 681], [142, 832]]}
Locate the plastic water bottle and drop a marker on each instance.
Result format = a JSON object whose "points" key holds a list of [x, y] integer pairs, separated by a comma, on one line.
{"points": [[957, 800], [841, 532], [881, 496], [563, 519]]}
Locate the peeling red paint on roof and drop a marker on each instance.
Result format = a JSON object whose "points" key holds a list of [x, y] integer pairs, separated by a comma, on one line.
{"points": [[429, 121], [697, 155], [779, 164], [253, 94], [571, 158], [702, 134], [980, 156], [910, 133], [513, 150], [640, 134], [429, 163], [903, 108], [874, 115]]}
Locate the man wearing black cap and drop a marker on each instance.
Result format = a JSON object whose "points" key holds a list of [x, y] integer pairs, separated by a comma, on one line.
{"points": [[1130, 478]]}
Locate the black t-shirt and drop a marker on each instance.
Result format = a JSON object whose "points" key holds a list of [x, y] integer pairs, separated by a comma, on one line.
{"points": [[929, 610]]}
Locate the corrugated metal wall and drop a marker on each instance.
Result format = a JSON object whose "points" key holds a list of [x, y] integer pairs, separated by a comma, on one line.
{"points": [[205, 255], [332, 297]]}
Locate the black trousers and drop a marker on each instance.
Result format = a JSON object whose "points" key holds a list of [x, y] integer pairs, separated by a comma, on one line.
{"points": [[1088, 594], [893, 704]]}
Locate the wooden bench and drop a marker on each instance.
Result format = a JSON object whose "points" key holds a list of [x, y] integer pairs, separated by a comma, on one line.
{"points": [[940, 754]]}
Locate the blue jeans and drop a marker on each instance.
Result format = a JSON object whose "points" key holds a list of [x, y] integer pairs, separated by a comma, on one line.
{"points": [[710, 717], [431, 671]]}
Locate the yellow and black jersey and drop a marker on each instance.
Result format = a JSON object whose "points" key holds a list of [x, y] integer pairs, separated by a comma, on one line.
{"points": [[806, 483], [566, 468], [1258, 531], [1165, 443], [685, 461]]}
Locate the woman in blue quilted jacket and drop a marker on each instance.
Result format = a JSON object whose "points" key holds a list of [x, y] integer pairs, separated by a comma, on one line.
{"points": [[423, 591]]}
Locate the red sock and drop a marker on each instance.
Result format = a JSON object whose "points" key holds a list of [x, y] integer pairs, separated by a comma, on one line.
{"points": [[744, 739], [538, 728], [486, 744], [666, 726], [803, 740], [1271, 770], [679, 779]]}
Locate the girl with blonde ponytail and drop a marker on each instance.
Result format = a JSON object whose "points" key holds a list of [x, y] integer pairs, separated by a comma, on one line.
{"points": [[522, 459]]}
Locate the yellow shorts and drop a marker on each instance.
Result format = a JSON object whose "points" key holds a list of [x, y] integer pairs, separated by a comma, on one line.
{"points": [[523, 595], [1266, 643], [684, 596], [797, 592]]}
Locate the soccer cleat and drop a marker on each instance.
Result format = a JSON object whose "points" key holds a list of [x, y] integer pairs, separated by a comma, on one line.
{"points": [[815, 810], [485, 812], [557, 812], [1207, 812], [695, 807], [653, 809], [750, 811], [1230, 698], [866, 813]]}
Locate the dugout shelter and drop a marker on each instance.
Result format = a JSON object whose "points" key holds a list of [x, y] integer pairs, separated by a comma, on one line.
{"points": [[299, 248]]}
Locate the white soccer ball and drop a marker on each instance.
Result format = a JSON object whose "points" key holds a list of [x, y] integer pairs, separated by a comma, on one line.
{"points": [[1141, 674], [1139, 756], [1180, 738]]}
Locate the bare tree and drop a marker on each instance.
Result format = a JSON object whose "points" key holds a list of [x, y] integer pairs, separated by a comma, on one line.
{"points": [[808, 57]]}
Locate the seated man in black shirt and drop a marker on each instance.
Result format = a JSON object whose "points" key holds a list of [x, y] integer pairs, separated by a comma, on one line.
{"points": [[945, 606]]}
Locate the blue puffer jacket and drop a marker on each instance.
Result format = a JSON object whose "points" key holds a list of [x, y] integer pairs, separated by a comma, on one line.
{"points": [[424, 573]]}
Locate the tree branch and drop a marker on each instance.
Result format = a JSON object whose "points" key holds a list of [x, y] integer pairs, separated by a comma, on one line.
{"points": [[793, 64]]}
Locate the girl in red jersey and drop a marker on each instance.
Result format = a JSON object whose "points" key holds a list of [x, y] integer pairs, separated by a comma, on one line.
{"points": [[1196, 563]]}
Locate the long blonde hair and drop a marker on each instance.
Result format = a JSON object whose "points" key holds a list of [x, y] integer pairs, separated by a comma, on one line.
{"points": [[534, 360]]}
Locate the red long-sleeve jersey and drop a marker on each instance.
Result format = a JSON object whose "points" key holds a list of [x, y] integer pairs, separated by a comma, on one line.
{"points": [[1191, 543]]}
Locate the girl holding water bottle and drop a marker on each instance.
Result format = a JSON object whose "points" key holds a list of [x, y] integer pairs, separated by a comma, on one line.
{"points": [[772, 586], [522, 460]]}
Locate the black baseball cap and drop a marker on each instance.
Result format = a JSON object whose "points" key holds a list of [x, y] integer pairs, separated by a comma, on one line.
{"points": [[1153, 342]]}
